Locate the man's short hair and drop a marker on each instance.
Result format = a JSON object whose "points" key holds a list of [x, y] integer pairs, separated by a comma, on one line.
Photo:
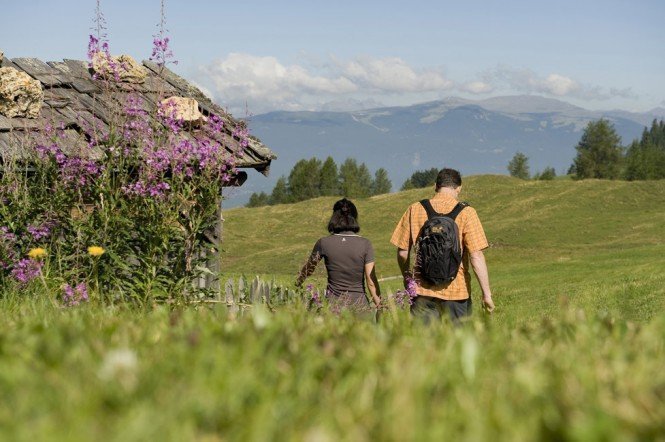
{"points": [[448, 178]]}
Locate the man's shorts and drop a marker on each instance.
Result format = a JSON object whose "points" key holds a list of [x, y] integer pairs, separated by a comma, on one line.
{"points": [[429, 309]]}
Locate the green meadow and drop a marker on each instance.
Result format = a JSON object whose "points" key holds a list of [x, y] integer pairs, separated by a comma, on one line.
{"points": [[574, 351], [599, 245]]}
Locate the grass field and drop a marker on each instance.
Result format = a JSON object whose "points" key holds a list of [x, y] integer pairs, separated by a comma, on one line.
{"points": [[600, 244], [575, 350]]}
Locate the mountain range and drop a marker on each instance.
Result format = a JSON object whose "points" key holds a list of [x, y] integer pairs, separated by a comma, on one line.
{"points": [[474, 136]]}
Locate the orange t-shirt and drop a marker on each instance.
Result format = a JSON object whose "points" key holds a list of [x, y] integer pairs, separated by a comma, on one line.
{"points": [[471, 235]]}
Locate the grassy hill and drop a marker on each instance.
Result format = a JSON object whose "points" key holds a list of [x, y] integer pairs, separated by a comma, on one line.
{"points": [[597, 244]]}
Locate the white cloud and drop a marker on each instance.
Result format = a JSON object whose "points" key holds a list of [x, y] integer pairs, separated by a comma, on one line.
{"points": [[477, 87], [392, 75], [559, 85], [555, 84], [268, 84], [265, 83]]}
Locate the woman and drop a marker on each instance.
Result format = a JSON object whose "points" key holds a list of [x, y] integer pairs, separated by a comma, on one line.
{"points": [[349, 260]]}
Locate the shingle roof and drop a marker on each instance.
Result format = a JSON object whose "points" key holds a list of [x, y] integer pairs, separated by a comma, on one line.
{"points": [[74, 100]]}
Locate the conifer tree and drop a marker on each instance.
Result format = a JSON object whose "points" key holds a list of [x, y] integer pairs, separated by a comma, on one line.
{"points": [[280, 193], [518, 166], [329, 179], [355, 181], [421, 178], [304, 180], [381, 183], [258, 199], [645, 160], [364, 181], [599, 152], [407, 185], [546, 175]]}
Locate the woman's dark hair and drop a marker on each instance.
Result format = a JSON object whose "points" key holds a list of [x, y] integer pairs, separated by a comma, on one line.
{"points": [[344, 217]]}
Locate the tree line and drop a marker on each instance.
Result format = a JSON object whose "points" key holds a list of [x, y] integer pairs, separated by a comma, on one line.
{"points": [[601, 155], [313, 178]]}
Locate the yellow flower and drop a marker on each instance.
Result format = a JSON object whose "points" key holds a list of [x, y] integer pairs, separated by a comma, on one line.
{"points": [[95, 251], [36, 253]]}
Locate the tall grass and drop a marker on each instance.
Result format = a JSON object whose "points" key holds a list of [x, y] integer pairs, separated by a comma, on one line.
{"points": [[574, 351], [101, 373]]}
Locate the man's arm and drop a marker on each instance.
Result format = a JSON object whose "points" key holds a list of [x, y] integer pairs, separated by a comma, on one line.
{"points": [[480, 269], [403, 263]]}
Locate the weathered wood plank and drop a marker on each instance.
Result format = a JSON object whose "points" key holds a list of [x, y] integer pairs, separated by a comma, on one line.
{"points": [[75, 144], [61, 67], [53, 98], [6, 145], [81, 77], [16, 145], [95, 124], [27, 123], [5, 124], [39, 70], [97, 106], [159, 86], [7, 63], [53, 118], [68, 115], [187, 89]]}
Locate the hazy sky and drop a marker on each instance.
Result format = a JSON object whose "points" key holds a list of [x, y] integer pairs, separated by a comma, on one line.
{"points": [[312, 55]]}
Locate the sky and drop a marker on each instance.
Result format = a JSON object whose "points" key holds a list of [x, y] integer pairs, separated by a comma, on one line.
{"points": [[259, 56]]}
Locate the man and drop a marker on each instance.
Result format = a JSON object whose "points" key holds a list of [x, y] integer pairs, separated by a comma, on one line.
{"points": [[454, 298]]}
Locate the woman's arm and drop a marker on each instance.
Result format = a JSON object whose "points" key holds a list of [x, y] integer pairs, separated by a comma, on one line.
{"points": [[308, 268], [373, 284]]}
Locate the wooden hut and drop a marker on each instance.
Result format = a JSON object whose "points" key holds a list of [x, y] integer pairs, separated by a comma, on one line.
{"points": [[73, 99]]}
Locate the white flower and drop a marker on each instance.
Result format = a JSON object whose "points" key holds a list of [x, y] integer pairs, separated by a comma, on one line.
{"points": [[120, 365]]}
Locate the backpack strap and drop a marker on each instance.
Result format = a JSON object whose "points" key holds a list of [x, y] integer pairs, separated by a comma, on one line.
{"points": [[431, 213], [457, 209]]}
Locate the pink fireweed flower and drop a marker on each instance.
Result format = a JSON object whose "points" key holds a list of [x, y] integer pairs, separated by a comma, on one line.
{"points": [[215, 124], [26, 270], [404, 298], [161, 52], [41, 231], [93, 48], [315, 297], [71, 170], [74, 295], [167, 113]]}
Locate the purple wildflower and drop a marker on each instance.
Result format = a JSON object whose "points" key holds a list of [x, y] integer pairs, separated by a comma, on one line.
{"points": [[26, 270], [41, 231], [6, 235], [315, 297], [73, 170], [161, 52], [404, 298], [75, 295]]}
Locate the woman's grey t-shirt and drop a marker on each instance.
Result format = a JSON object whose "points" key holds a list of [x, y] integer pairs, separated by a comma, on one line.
{"points": [[345, 255]]}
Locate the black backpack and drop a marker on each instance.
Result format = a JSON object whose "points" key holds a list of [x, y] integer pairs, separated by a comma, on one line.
{"points": [[438, 251]]}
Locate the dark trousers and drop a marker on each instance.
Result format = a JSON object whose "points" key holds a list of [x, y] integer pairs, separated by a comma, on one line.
{"points": [[429, 309]]}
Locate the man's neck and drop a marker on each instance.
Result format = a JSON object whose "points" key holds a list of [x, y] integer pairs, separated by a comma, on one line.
{"points": [[447, 192]]}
